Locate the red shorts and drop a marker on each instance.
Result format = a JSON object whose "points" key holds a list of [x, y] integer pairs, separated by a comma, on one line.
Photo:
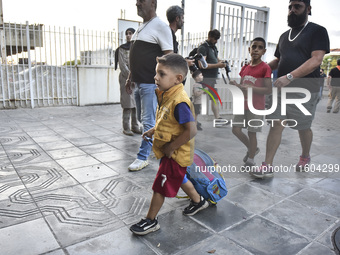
{"points": [[169, 177]]}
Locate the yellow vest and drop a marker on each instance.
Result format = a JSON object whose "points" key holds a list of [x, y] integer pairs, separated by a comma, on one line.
{"points": [[167, 128]]}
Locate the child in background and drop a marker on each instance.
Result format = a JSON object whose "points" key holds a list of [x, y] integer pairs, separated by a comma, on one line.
{"points": [[197, 95], [172, 142], [255, 75]]}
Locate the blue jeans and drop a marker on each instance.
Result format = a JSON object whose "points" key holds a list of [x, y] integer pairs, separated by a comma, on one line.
{"points": [[146, 105]]}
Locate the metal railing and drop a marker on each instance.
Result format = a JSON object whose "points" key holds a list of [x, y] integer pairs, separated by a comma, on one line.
{"points": [[38, 66]]}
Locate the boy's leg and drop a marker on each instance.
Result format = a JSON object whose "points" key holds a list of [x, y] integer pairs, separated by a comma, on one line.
{"points": [[156, 204], [197, 203], [150, 223], [237, 131], [252, 144], [190, 190], [215, 109]]}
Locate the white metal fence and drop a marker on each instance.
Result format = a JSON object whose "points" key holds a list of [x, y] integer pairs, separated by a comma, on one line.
{"points": [[39, 63], [38, 66]]}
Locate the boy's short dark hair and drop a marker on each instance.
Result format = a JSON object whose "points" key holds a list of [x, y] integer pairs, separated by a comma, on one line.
{"points": [[175, 62], [259, 39], [174, 11], [196, 73], [338, 62], [214, 34]]}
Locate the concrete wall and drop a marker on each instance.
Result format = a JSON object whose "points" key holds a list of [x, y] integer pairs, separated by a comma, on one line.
{"points": [[98, 85]]}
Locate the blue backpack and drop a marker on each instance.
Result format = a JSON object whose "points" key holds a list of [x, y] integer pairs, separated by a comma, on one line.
{"points": [[206, 180]]}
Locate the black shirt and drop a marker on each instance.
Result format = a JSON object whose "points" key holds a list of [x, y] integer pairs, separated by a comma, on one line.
{"points": [[293, 54], [335, 74], [174, 41]]}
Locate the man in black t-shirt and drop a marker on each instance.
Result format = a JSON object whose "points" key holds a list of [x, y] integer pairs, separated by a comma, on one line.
{"points": [[334, 85], [299, 54]]}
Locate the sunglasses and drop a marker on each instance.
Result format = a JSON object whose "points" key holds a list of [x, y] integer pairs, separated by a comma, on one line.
{"points": [[296, 6]]}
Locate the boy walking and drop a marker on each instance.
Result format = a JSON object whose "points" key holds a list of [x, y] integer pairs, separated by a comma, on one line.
{"points": [[172, 142], [197, 95], [255, 75]]}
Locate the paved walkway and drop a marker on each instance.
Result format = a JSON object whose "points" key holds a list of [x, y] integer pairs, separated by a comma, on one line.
{"points": [[65, 189]]}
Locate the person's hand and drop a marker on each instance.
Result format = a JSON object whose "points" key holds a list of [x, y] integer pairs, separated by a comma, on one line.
{"points": [[148, 133], [281, 82], [222, 64], [128, 86], [167, 150], [190, 62]]}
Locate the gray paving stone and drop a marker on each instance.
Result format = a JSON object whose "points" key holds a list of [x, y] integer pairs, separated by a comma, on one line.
{"points": [[319, 200], [91, 173], [279, 186], [55, 252], [109, 156], [215, 245], [94, 204], [26, 234], [26, 154], [221, 216], [299, 219], [326, 238], [330, 185], [46, 176], [179, 229], [77, 162], [119, 242], [112, 187], [317, 249], [96, 148], [261, 236], [76, 225], [84, 141], [17, 213], [62, 199], [66, 153], [56, 145], [18, 139], [251, 198]]}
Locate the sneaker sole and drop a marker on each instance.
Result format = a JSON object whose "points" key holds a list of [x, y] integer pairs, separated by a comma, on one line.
{"points": [[150, 230], [261, 176], [205, 205], [137, 169]]}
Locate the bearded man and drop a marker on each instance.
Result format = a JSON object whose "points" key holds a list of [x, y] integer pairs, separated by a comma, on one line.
{"points": [[299, 54]]}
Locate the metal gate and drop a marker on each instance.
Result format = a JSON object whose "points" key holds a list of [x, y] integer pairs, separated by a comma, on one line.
{"points": [[39, 63], [238, 24]]}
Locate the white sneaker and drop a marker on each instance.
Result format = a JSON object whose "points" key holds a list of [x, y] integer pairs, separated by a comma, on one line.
{"points": [[138, 164]]}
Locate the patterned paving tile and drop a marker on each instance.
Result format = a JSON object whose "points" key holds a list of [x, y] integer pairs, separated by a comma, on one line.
{"points": [[119, 242], [79, 224], [32, 154], [46, 176]]}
